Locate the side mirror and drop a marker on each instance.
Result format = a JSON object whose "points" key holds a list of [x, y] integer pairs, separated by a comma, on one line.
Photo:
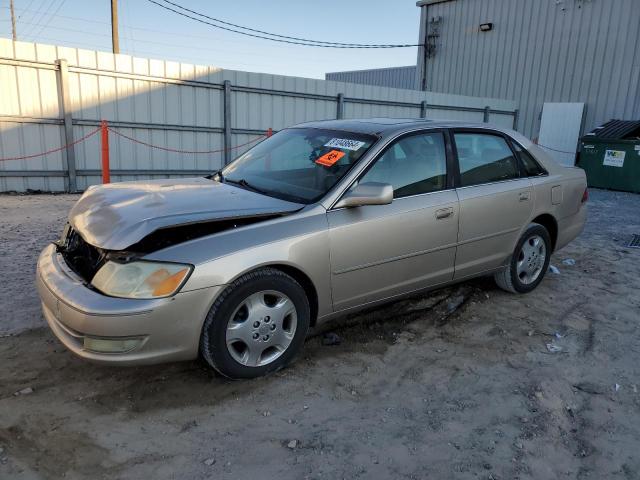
{"points": [[370, 193]]}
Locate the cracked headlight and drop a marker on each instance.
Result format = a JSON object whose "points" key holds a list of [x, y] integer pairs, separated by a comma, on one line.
{"points": [[141, 279]]}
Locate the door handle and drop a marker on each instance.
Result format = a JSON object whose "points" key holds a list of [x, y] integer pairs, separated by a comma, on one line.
{"points": [[524, 196], [444, 213]]}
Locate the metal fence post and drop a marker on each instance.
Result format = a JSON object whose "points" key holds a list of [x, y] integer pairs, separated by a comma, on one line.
{"points": [[423, 109], [516, 112], [227, 122], [487, 111], [340, 106], [65, 104]]}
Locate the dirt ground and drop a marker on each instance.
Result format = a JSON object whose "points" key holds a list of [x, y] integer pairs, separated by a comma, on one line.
{"points": [[468, 382]]}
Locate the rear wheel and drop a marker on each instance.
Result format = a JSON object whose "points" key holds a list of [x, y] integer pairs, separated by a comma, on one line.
{"points": [[529, 262], [256, 326]]}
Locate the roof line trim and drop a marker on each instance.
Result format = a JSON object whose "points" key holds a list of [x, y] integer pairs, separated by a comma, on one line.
{"points": [[424, 3]]}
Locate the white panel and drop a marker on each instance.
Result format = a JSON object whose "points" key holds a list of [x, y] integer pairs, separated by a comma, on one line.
{"points": [[106, 61], [87, 58], [7, 48], [48, 93], [107, 91], [141, 95], [124, 100], [25, 51], [560, 129], [124, 63], [45, 53], [28, 93], [86, 100], [9, 104], [69, 54]]}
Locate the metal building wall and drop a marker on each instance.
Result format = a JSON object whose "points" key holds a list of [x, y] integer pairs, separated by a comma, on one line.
{"points": [[170, 104], [538, 51], [394, 77]]}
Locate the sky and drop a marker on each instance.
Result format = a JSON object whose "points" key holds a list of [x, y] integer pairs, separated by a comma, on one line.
{"points": [[146, 30]]}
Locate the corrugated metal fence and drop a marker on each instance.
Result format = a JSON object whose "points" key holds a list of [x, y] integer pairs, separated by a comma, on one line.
{"points": [[51, 96], [394, 77]]}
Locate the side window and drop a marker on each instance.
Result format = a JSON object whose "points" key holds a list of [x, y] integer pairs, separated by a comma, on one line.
{"points": [[484, 158], [413, 165], [531, 166]]}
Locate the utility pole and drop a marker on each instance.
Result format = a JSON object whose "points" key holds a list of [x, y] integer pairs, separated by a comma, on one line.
{"points": [[13, 21], [114, 26]]}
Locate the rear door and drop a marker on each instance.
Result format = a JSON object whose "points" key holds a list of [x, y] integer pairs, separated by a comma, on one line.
{"points": [[379, 251], [496, 201]]}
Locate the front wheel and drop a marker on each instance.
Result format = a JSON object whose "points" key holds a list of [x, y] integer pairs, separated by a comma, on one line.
{"points": [[256, 326], [529, 262]]}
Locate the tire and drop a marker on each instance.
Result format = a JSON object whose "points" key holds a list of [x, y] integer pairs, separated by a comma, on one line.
{"points": [[529, 262], [256, 326]]}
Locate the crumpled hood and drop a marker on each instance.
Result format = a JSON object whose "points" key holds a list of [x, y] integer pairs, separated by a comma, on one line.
{"points": [[117, 215]]}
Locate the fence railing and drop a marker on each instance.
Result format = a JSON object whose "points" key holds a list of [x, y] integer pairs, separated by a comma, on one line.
{"points": [[70, 117]]}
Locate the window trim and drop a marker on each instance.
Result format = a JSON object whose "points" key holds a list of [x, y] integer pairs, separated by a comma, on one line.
{"points": [[544, 171], [521, 173], [449, 183]]}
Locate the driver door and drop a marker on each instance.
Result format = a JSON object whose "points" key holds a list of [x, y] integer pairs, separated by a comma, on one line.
{"points": [[380, 251]]}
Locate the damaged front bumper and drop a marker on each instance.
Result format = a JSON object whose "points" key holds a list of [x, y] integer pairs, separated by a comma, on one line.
{"points": [[117, 330]]}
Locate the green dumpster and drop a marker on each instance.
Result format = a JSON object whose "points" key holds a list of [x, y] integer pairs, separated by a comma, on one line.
{"points": [[610, 156]]}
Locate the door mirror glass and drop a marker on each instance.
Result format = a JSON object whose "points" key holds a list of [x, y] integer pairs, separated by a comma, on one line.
{"points": [[369, 193]]}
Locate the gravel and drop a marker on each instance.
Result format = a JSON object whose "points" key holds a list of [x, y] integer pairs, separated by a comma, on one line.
{"points": [[455, 384]]}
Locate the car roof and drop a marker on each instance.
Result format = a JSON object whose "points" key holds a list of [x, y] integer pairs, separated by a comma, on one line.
{"points": [[390, 126]]}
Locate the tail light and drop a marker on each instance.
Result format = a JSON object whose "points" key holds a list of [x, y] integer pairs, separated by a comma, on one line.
{"points": [[585, 196]]}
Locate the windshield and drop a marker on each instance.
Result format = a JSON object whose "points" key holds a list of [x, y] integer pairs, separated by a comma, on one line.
{"points": [[298, 164]]}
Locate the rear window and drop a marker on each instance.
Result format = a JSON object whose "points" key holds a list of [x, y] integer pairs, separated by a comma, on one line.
{"points": [[484, 158], [531, 167]]}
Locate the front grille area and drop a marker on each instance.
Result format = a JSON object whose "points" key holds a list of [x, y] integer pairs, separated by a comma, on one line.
{"points": [[84, 259]]}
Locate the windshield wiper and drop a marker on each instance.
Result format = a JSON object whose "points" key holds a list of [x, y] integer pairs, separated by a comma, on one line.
{"points": [[243, 183]]}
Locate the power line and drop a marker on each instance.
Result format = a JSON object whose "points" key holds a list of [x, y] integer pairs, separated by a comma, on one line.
{"points": [[34, 35], [280, 38], [130, 27], [132, 41], [60, 41], [196, 60], [40, 16], [225, 63], [141, 29], [26, 8]]}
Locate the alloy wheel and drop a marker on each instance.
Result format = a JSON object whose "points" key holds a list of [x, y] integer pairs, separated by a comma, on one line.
{"points": [[261, 328], [531, 259]]}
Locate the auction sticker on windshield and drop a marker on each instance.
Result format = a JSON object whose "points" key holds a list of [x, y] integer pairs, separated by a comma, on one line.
{"points": [[328, 159], [344, 143]]}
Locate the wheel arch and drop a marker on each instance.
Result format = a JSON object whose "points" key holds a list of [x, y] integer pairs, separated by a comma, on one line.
{"points": [[549, 222], [299, 276], [306, 283]]}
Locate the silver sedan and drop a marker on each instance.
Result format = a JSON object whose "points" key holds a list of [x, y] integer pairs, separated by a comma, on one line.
{"points": [[317, 221]]}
